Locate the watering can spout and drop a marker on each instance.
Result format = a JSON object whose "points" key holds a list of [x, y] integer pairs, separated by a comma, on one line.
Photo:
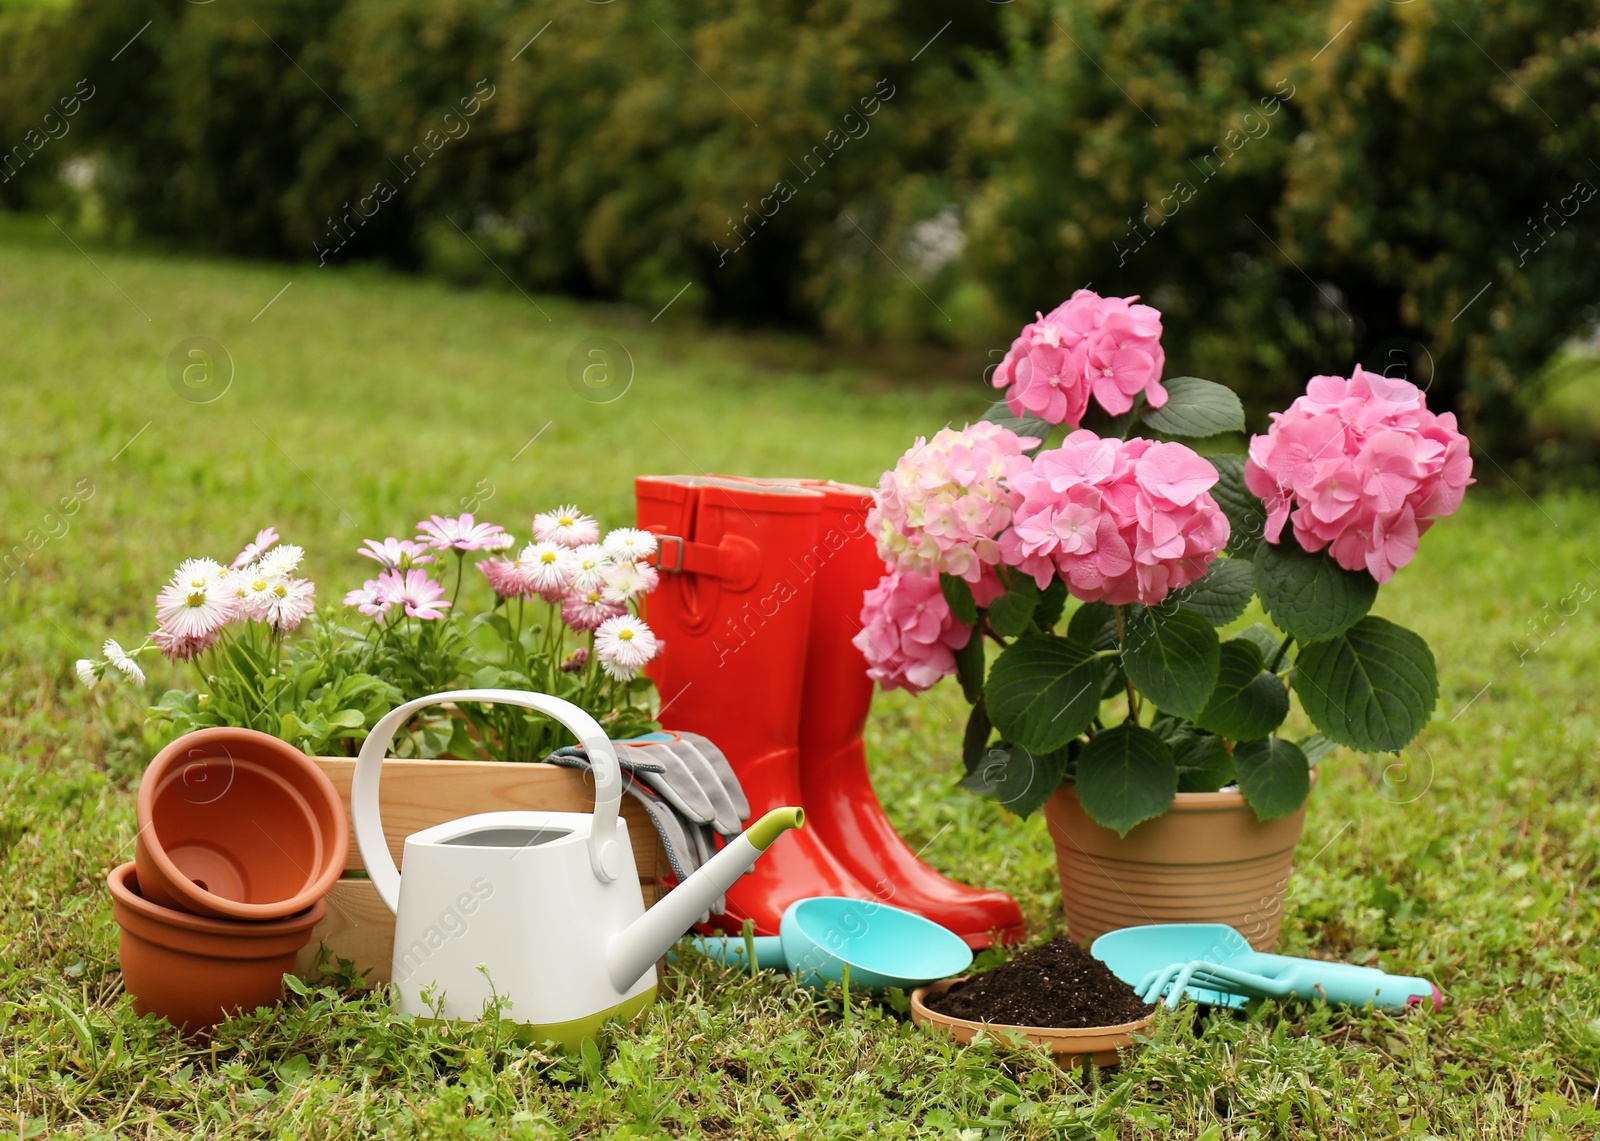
{"points": [[632, 950]]}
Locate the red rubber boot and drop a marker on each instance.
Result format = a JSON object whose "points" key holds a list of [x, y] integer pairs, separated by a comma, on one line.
{"points": [[733, 613], [841, 806]]}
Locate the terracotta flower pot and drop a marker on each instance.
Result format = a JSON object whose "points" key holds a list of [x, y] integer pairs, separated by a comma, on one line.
{"points": [[195, 971], [1099, 1044], [236, 824], [1207, 860]]}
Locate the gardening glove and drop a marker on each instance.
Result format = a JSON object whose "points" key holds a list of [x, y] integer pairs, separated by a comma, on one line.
{"points": [[687, 787]]}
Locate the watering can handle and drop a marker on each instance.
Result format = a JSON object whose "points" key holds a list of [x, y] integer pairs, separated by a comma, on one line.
{"points": [[605, 853]]}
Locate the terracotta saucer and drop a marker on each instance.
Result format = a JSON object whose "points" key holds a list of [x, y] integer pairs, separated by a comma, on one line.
{"points": [[1100, 1044]]}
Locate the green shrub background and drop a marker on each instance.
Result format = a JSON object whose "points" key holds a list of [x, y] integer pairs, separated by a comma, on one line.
{"points": [[1297, 187]]}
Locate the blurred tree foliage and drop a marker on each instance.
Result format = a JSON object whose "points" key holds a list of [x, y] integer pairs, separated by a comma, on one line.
{"points": [[1297, 187]]}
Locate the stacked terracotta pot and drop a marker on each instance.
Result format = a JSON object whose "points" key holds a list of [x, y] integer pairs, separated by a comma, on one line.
{"points": [[240, 837]]}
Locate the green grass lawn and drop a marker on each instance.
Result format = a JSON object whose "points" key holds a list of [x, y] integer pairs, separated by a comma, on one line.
{"points": [[361, 403]]}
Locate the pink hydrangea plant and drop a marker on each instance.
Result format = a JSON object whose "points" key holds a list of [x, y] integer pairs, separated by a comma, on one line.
{"points": [[1361, 467], [1105, 347], [908, 636], [1120, 521], [943, 505]]}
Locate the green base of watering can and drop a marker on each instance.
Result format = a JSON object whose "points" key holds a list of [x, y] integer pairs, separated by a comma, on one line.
{"points": [[819, 937], [1212, 963]]}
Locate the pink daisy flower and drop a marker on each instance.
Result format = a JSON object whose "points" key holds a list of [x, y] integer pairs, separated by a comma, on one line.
{"points": [[264, 539], [586, 610], [396, 554], [374, 598], [462, 534], [179, 648], [421, 596]]}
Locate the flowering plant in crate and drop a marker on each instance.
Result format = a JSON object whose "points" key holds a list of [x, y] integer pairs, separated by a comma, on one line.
{"points": [[1134, 695], [562, 619]]}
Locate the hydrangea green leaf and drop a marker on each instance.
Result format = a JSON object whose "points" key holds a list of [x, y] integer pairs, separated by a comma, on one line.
{"points": [[1248, 703], [1021, 780], [1012, 612], [1126, 774], [1273, 775], [1172, 656], [1247, 518], [1310, 595], [1196, 407], [1372, 687], [1222, 593], [1043, 691], [958, 594]]}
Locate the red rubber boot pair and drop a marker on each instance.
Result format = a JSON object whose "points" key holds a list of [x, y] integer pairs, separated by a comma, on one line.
{"points": [[760, 596]]}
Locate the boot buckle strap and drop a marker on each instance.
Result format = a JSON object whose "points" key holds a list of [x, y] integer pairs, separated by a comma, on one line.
{"points": [[736, 561], [678, 543]]}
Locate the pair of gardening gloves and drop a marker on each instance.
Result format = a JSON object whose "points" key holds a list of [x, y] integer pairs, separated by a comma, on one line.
{"points": [[688, 788]]}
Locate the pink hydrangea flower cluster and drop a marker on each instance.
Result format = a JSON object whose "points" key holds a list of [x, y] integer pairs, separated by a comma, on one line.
{"points": [[1119, 521], [908, 636], [1105, 347], [1360, 467], [945, 503]]}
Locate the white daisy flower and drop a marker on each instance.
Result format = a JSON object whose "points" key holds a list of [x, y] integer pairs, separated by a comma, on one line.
{"points": [[198, 573], [280, 561], [236, 583], [289, 601], [567, 526], [617, 671], [88, 672], [253, 589], [115, 655], [630, 543], [592, 563], [626, 580], [195, 611], [549, 568], [626, 643]]}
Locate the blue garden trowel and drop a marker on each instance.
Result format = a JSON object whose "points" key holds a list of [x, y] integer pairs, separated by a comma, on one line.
{"points": [[822, 937], [1214, 964]]}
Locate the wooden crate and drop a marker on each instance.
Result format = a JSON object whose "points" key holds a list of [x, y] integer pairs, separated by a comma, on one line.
{"points": [[419, 794]]}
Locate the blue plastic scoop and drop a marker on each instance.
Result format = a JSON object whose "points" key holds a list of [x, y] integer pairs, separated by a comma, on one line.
{"points": [[1214, 964], [883, 946]]}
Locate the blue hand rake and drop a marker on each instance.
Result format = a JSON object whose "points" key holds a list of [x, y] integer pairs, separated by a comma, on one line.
{"points": [[1214, 964]]}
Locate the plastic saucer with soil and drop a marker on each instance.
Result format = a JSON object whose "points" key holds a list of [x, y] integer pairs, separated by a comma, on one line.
{"points": [[1056, 995]]}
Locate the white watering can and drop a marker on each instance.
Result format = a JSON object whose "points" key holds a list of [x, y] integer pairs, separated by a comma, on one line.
{"points": [[541, 910]]}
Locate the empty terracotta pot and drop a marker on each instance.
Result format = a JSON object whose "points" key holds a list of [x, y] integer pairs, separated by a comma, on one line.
{"points": [[195, 971], [238, 825]]}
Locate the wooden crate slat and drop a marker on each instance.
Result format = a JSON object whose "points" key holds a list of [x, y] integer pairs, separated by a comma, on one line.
{"points": [[358, 927], [419, 794]]}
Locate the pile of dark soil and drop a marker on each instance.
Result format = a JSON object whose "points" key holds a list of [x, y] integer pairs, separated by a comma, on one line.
{"points": [[1057, 985]]}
